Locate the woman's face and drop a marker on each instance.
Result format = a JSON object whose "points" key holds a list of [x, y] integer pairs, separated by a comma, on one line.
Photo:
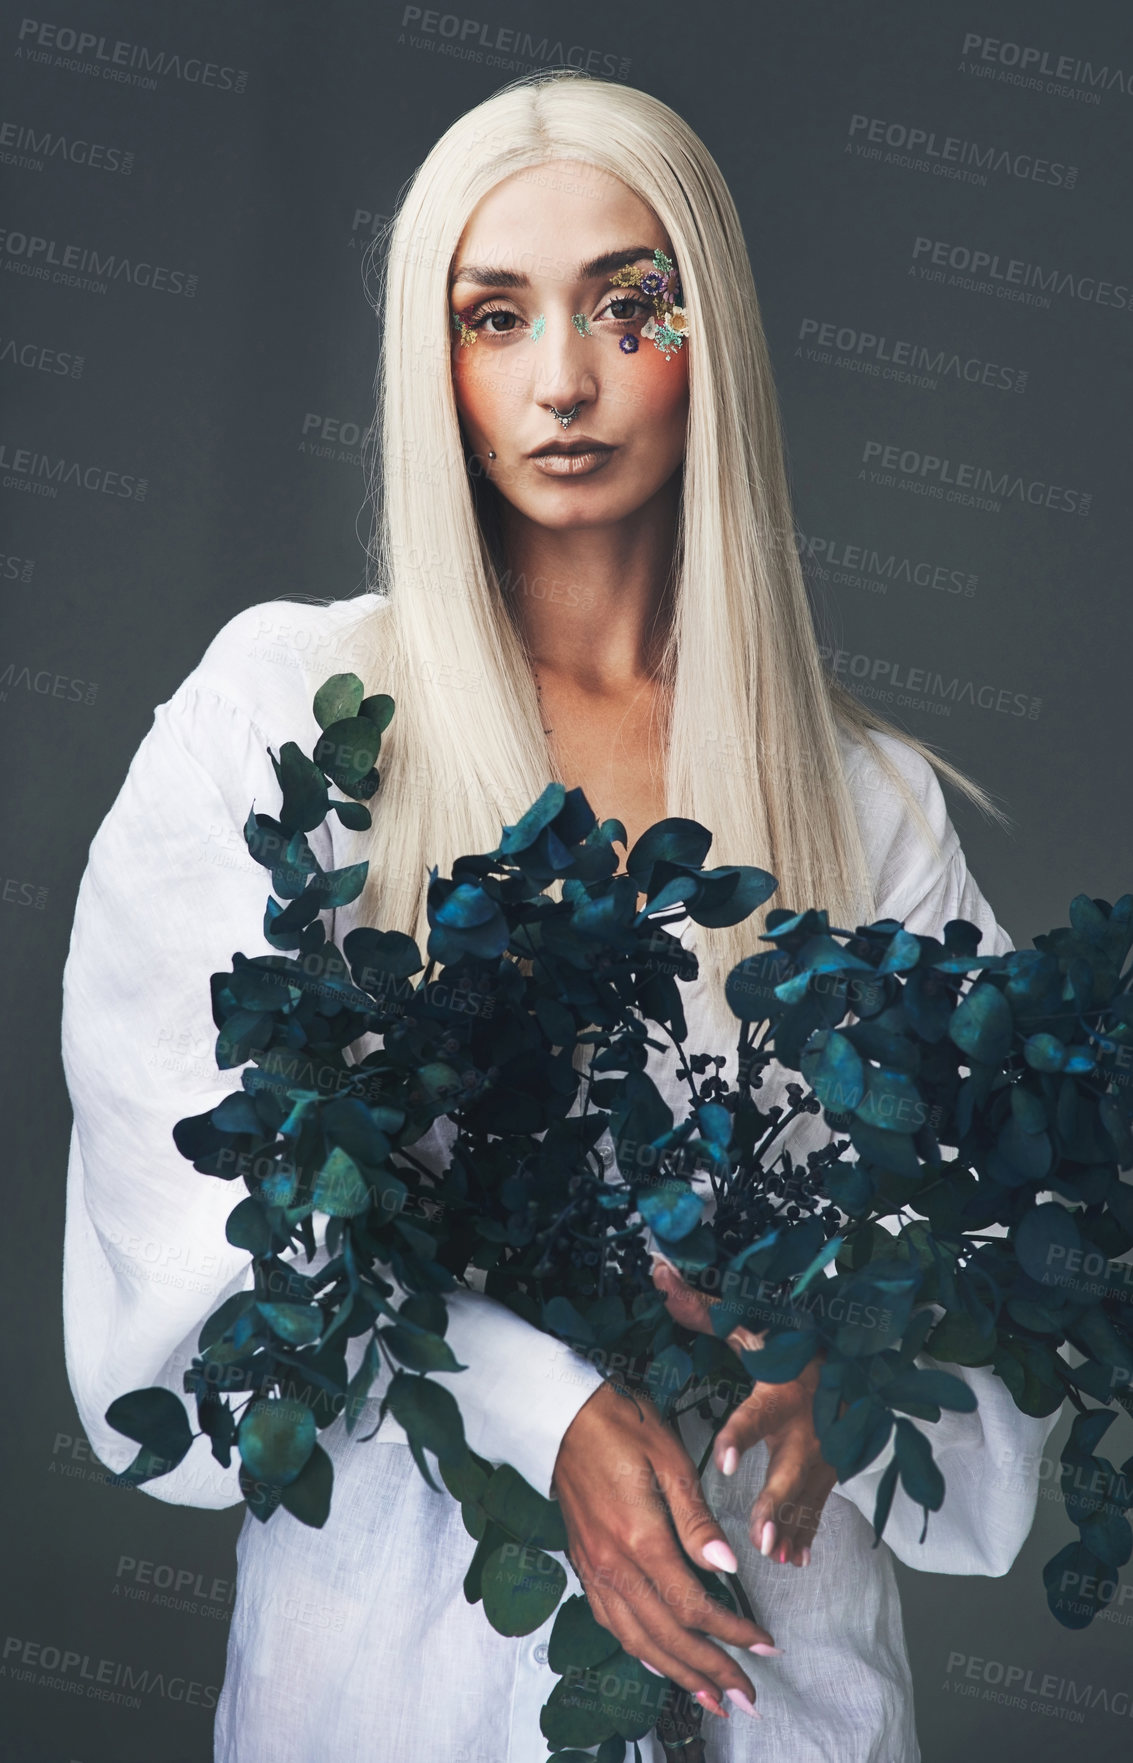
{"points": [[530, 251]]}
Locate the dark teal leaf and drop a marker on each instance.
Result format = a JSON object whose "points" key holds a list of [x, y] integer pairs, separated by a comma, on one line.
{"points": [[304, 789], [834, 1071], [420, 1352], [671, 1209], [520, 1586], [298, 1324], [783, 1358], [346, 751], [428, 1412], [674, 840], [527, 829], [513, 1503], [275, 1439], [355, 815], [155, 1418], [338, 699], [886, 1488], [1048, 1244], [920, 1477], [578, 1638], [248, 1227], [307, 1498], [340, 1189], [892, 1102], [982, 1024]]}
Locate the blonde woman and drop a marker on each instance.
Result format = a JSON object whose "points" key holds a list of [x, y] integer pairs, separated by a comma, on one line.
{"points": [[583, 568]]}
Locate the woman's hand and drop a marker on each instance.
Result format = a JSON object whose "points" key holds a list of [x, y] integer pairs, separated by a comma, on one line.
{"points": [[785, 1517], [625, 1483]]}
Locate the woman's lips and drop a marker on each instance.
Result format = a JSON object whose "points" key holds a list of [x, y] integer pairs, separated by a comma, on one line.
{"points": [[573, 464]]}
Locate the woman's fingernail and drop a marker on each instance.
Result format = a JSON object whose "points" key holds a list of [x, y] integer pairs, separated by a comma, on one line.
{"points": [[652, 1668], [710, 1702], [806, 1557], [744, 1702], [784, 1553], [767, 1541], [767, 1652], [718, 1554], [731, 1461]]}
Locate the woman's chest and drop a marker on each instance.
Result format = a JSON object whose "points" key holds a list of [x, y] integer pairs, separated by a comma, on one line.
{"points": [[613, 749]]}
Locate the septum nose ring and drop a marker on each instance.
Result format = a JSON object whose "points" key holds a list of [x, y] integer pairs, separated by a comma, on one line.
{"points": [[564, 417]]}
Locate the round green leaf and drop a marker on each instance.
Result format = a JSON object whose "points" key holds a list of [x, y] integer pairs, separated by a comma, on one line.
{"points": [[578, 1638], [338, 699], [155, 1418], [982, 1024], [520, 1585], [275, 1440]]}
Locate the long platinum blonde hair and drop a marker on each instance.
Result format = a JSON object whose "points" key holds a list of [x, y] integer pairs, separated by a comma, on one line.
{"points": [[753, 748]]}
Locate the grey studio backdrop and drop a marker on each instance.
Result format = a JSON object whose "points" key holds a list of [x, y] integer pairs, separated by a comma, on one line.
{"points": [[935, 200]]}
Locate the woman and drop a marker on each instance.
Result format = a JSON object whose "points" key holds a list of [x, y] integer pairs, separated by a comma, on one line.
{"points": [[586, 562]]}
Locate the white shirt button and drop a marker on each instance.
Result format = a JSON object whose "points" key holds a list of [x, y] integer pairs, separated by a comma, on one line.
{"points": [[539, 1653]]}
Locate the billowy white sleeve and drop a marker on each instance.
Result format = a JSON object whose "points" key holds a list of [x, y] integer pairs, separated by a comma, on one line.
{"points": [[990, 1458], [169, 893]]}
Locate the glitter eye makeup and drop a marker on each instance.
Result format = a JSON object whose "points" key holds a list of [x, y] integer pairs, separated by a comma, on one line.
{"points": [[666, 325]]}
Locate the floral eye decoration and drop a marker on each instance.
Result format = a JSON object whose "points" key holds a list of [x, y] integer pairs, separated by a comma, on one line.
{"points": [[467, 334], [668, 327]]}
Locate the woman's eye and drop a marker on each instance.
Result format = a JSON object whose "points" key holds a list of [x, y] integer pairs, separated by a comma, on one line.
{"points": [[623, 309], [637, 309], [480, 322]]}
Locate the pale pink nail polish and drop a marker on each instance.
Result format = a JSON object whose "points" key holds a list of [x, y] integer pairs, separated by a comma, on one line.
{"points": [[718, 1554], [731, 1461], [784, 1553], [710, 1702], [806, 1557], [652, 1668], [744, 1702], [765, 1651], [767, 1541]]}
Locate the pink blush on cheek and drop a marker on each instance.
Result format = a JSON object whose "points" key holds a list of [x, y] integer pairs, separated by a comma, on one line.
{"points": [[654, 385]]}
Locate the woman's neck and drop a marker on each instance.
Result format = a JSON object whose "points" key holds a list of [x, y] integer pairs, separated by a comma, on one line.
{"points": [[593, 605]]}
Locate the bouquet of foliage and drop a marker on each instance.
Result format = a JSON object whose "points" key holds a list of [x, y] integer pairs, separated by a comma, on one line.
{"points": [[1015, 1065]]}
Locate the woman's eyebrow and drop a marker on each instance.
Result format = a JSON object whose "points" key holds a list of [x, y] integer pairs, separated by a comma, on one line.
{"points": [[486, 276]]}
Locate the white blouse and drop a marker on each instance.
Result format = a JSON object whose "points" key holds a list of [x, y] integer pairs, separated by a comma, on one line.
{"points": [[359, 1634]]}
